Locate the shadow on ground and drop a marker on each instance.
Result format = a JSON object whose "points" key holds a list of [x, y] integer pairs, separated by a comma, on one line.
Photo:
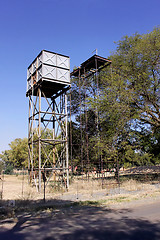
{"points": [[76, 222]]}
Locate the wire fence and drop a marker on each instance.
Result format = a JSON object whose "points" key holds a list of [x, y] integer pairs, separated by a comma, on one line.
{"points": [[91, 186]]}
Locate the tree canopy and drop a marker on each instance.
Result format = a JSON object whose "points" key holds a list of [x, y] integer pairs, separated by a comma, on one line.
{"points": [[136, 64], [17, 155], [128, 101]]}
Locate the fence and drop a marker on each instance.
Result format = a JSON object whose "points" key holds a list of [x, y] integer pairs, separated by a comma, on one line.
{"points": [[90, 186]]}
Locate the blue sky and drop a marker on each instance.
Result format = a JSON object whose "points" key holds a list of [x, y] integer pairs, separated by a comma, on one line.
{"points": [[70, 27]]}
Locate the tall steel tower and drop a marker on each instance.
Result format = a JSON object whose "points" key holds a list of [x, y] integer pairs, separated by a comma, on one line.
{"points": [[48, 79]]}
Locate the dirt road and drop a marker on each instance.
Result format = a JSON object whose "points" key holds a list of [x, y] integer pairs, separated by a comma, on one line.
{"points": [[129, 221]]}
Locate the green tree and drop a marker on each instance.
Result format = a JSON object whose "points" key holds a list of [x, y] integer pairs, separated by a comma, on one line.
{"points": [[6, 163], [17, 155], [129, 99], [1, 166], [137, 62]]}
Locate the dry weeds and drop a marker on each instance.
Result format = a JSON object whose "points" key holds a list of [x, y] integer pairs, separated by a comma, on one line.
{"points": [[81, 192], [17, 188]]}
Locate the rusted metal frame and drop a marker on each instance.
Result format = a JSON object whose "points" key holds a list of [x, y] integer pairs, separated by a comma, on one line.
{"points": [[83, 108], [62, 135], [29, 157], [53, 113], [60, 126], [90, 62], [43, 167], [49, 104], [70, 134], [45, 140], [53, 133], [34, 115], [97, 124], [34, 108], [61, 92], [54, 169], [35, 143], [57, 131], [39, 138], [60, 121], [59, 162], [60, 113], [29, 148], [57, 106], [53, 172], [49, 107], [50, 175], [79, 73], [34, 103], [32, 144], [47, 155], [67, 154], [45, 125], [39, 142], [50, 120], [46, 112], [31, 121], [72, 145], [47, 120], [83, 112], [54, 140], [60, 157], [80, 101], [86, 128], [55, 164]]}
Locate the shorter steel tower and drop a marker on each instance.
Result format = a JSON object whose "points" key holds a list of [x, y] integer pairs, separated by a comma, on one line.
{"points": [[48, 79]]}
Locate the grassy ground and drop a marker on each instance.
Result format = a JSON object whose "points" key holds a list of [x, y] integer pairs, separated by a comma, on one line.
{"points": [[17, 188], [16, 191]]}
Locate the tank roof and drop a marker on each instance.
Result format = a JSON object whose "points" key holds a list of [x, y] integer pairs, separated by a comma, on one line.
{"points": [[94, 62]]}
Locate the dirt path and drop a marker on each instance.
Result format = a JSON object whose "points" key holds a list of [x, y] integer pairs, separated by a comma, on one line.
{"points": [[125, 221]]}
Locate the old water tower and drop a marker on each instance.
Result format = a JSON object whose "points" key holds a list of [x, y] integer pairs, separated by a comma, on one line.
{"points": [[48, 79]]}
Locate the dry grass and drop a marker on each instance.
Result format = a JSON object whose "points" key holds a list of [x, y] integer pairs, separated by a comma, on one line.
{"points": [[92, 186], [17, 188], [81, 192], [133, 185]]}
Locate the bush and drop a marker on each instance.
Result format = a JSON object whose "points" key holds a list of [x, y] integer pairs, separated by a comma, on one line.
{"points": [[8, 170]]}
